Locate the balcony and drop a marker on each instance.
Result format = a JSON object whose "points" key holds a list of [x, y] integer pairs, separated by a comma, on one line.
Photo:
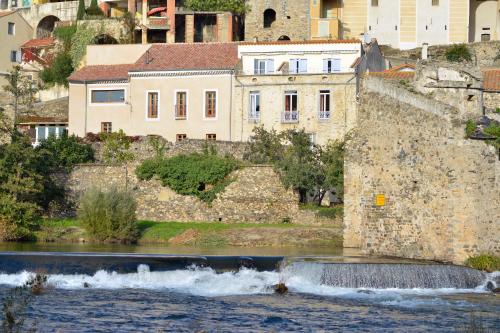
{"points": [[324, 115], [290, 117], [180, 112]]}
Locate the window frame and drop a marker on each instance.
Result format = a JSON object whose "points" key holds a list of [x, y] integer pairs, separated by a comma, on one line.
{"points": [[103, 124], [186, 92], [215, 117], [59, 130], [207, 137], [92, 87], [254, 115], [92, 90], [11, 32], [158, 106], [297, 70], [180, 137], [325, 92], [291, 119], [329, 67], [14, 56]]}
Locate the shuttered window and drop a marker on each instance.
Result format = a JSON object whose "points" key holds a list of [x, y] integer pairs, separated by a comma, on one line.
{"points": [[331, 65], [153, 105], [210, 104]]}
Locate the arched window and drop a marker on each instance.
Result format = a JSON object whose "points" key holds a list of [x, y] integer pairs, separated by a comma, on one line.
{"points": [[46, 26], [269, 17], [283, 38]]}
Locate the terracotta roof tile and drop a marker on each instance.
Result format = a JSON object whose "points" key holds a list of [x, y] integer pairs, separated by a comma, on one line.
{"points": [[2, 14], [400, 67], [101, 73], [295, 42], [24, 120], [193, 56], [393, 75], [39, 42], [491, 80]]}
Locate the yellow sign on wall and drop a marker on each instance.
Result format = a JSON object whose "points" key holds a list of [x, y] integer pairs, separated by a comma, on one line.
{"points": [[380, 200]]}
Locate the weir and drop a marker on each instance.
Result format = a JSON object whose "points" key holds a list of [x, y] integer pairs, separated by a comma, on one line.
{"points": [[163, 271]]}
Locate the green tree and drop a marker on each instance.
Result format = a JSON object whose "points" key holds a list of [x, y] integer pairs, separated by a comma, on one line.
{"points": [[64, 152], [130, 24], [64, 34], [59, 71], [235, 6], [81, 10], [83, 36], [22, 90], [94, 9], [332, 162], [264, 147]]}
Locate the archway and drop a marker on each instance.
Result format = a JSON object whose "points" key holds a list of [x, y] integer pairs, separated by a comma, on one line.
{"points": [[46, 26], [269, 17], [482, 20], [284, 38], [104, 39]]}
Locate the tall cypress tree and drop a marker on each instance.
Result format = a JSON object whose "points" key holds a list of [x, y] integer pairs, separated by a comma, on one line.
{"points": [[81, 10]]}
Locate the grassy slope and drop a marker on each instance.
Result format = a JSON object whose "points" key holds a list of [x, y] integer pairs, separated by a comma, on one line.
{"points": [[206, 234]]}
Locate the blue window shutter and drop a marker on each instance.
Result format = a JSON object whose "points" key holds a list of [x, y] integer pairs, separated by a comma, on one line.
{"points": [[256, 66], [293, 66], [325, 65], [270, 66], [303, 66], [336, 65]]}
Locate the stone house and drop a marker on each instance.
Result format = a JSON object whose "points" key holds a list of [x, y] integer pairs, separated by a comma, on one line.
{"points": [[216, 91], [309, 84]]}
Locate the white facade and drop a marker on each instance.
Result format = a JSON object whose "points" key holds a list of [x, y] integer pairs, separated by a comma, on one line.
{"points": [[383, 22], [433, 22], [306, 58]]}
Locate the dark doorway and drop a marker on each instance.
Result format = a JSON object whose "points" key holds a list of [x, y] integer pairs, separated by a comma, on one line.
{"points": [[269, 17], [46, 26], [180, 28]]}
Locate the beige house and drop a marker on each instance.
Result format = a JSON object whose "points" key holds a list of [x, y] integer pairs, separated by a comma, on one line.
{"points": [[14, 32], [177, 91]]}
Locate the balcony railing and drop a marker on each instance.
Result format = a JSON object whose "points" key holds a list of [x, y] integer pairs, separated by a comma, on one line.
{"points": [[290, 117], [324, 115], [180, 112]]}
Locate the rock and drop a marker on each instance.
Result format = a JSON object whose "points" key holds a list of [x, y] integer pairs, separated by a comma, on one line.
{"points": [[86, 285], [490, 285], [496, 290], [364, 291], [280, 288]]}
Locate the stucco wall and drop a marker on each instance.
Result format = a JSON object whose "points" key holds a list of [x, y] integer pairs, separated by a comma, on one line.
{"points": [[442, 191]]}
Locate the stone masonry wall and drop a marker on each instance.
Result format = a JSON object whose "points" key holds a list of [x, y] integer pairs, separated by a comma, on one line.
{"points": [[255, 196], [442, 192], [292, 20]]}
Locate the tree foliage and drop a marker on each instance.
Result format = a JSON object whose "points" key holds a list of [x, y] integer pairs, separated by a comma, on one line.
{"points": [[94, 10], [59, 71], [130, 24], [308, 169], [81, 10], [109, 215], [65, 152], [200, 175], [65, 34], [116, 148], [235, 6], [83, 36]]}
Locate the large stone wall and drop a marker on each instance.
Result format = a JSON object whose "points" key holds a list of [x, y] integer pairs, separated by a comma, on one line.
{"points": [[255, 196], [442, 192], [292, 20]]}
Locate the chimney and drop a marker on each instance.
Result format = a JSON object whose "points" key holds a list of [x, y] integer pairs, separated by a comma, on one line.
{"points": [[425, 47], [148, 60]]}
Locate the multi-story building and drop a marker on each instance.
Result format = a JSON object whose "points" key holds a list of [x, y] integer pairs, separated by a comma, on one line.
{"points": [[14, 32], [216, 91]]}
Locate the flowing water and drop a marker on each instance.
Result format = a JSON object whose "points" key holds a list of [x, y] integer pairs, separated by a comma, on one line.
{"points": [[341, 294]]}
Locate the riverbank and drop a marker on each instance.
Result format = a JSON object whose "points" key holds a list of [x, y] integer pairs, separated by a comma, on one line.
{"points": [[204, 234]]}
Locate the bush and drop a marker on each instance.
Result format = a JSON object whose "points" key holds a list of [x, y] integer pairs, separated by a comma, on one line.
{"points": [[201, 175], [109, 216], [458, 53], [116, 148], [66, 151], [64, 34], [18, 219], [59, 71], [484, 262], [470, 128], [94, 10]]}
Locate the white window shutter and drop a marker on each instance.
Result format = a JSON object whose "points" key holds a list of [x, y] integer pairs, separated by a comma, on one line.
{"points": [[303, 66], [256, 66], [325, 65], [336, 65], [270, 66], [18, 56], [293, 66]]}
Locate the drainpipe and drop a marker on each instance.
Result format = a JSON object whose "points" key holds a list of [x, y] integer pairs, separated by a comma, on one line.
{"points": [[242, 100], [231, 107]]}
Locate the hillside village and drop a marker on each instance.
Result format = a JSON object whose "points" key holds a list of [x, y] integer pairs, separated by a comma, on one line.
{"points": [[405, 98]]}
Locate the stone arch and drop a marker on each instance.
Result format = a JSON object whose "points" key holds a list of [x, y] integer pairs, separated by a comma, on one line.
{"points": [[46, 26], [482, 15], [269, 17], [284, 38], [103, 39]]}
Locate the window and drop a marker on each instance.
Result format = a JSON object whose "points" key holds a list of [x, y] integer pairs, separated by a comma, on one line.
{"points": [[15, 56], [43, 132], [298, 66], [254, 113], [374, 3], [211, 137], [331, 65], [180, 137], [106, 127], [263, 66], [435, 2], [324, 104], [11, 28], [210, 104], [40, 133], [291, 113], [181, 105], [152, 105], [108, 96], [269, 17]]}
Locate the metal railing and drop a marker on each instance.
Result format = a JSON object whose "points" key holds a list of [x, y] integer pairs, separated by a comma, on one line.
{"points": [[324, 115], [290, 117]]}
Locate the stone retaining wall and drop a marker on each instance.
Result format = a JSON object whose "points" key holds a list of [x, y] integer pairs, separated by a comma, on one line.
{"points": [[255, 196]]}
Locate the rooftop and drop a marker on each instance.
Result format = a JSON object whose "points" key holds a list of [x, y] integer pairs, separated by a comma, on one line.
{"points": [[491, 79], [39, 42], [101, 73], [305, 42]]}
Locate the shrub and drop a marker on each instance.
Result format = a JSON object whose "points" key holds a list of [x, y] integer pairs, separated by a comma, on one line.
{"points": [[497, 110], [18, 219], [109, 216], [64, 34], [116, 148], [201, 175], [236, 6], [66, 151], [265, 147], [484, 262], [458, 53], [94, 10], [470, 128], [59, 71]]}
